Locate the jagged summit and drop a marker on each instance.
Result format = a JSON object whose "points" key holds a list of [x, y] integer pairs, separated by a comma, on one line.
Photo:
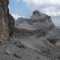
{"points": [[37, 21], [37, 15], [36, 12]]}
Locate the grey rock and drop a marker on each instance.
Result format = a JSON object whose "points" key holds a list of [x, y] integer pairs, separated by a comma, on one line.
{"points": [[8, 52], [4, 34], [37, 23], [20, 20], [19, 44], [6, 21], [16, 55], [11, 24]]}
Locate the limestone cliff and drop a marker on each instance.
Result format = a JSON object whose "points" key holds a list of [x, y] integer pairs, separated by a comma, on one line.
{"points": [[4, 20], [11, 24]]}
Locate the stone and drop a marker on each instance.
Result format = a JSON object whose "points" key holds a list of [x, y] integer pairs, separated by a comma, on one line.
{"points": [[57, 44], [16, 55], [4, 34], [8, 51], [19, 44], [36, 12]]}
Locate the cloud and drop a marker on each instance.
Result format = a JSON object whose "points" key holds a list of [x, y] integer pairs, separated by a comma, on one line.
{"points": [[15, 16], [51, 11], [56, 20], [41, 2], [38, 3], [50, 7]]}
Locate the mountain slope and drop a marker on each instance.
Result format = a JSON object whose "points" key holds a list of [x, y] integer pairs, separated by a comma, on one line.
{"points": [[38, 33]]}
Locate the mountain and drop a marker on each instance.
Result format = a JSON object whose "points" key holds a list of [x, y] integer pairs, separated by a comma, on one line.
{"points": [[40, 34], [37, 23], [21, 19], [35, 38]]}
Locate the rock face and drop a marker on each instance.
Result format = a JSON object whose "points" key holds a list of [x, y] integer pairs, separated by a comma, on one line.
{"points": [[38, 31], [37, 23], [11, 24], [41, 20], [4, 21], [20, 20]]}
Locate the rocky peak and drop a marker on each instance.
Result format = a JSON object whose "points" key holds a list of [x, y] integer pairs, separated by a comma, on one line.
{"points": [[41, 20], [36, 12], [36, 15], [38, 23]]}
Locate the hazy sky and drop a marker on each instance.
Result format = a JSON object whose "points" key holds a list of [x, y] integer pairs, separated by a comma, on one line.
{"points": [[24, 8]]}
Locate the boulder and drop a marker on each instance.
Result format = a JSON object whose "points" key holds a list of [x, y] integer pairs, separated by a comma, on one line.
{"points": [[8, 51]]}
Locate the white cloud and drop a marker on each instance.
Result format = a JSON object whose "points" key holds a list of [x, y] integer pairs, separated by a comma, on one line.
{"points": [[41, 2], [51, 12], [47, 6], [15, 16]]}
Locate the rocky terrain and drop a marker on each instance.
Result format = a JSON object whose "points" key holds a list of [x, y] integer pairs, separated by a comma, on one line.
{"points": [[40, 34], [20, 20], [36, 38]]}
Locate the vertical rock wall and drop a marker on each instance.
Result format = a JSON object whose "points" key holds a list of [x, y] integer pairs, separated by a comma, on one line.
{"points": [[11, 24], [4, 21]]}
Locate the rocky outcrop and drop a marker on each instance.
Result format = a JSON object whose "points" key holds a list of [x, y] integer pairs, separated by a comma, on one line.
{"points": [[4, 21], [41, 20], [20, 20], [39, 27], [37, 23], [11, 24]]}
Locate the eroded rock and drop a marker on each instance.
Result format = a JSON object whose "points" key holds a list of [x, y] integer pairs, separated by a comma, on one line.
{"points": [[57, 44], [11, 24], [37, 23], [4, 35], [16, 55], [19, 44], [8, 52], [5, 21]]}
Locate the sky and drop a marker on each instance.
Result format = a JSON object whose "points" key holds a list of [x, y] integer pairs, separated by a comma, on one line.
{"points": [[24, 8]]}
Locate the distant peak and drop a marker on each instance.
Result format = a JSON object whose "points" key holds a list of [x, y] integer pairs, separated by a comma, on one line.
{"points": [[36, 12], [36, 15]]}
